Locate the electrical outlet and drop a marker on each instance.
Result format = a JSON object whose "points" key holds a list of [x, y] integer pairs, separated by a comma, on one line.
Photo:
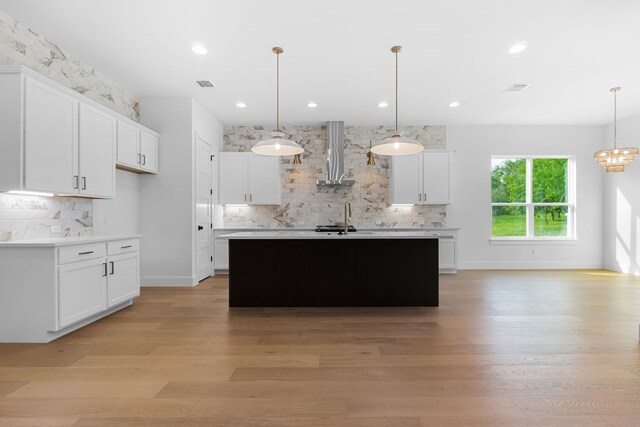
{"points": [[300, 222], [56, 229], [378, 222]]}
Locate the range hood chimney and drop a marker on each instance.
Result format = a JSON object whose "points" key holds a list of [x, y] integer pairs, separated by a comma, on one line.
{"points": [[335, 157]]}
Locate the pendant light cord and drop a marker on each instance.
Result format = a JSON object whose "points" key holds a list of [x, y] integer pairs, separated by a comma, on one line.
{"points": [[277, 91], [396, 52], [615, 119]]}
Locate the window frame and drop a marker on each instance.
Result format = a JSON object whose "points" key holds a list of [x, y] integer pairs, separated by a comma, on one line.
{"points": [[529, 205]]}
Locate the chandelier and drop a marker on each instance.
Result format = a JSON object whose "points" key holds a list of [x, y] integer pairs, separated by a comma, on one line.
{"points": [[615, 159]]}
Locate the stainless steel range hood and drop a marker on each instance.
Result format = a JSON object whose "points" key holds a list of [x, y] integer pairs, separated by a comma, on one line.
{"points": [[335, 157]]}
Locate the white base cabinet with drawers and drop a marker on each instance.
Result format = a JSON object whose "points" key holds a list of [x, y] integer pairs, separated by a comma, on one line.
{"points": [[50, 288]]}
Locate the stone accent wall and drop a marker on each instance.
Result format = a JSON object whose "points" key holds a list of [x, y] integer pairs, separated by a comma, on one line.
{"points": [[305, 205], [30, 217], [21, 45]]}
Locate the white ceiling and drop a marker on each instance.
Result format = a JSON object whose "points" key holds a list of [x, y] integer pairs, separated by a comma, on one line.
{"points": [[337, 55]]}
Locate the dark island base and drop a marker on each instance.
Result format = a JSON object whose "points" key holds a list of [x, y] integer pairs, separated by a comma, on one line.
{"points": [[333, 273]]}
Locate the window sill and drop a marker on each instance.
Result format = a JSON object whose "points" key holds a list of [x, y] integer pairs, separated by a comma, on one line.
{"points": [[525, 241]]}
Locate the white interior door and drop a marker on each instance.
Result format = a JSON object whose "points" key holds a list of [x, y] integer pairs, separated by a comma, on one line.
{"points": [[405, 179], [51, 139], [204, 250], [97, 152], [436, 178], [264, 180]]}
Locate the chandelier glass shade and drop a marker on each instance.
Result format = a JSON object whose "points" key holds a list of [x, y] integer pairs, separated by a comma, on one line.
{"points": [[396, 144], [615, 159], [278, 144]]}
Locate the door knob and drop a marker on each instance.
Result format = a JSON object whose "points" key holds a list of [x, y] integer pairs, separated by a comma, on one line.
{"points": [[200, 228]]}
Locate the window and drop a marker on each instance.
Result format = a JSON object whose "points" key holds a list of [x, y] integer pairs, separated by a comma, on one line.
{"points": [[532, 197]]}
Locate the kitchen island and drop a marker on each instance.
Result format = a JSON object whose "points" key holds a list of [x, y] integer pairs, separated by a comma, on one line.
{"points": [[307, 269]]}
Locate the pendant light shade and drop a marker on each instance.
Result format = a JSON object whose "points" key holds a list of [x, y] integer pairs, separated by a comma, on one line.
{"points": [[615, 159], [278, 144], [396, 144]]}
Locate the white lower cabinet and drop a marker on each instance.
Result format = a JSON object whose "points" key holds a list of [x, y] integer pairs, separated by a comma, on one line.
{"points": [[50, 289], [82, 290], [123, 279]]}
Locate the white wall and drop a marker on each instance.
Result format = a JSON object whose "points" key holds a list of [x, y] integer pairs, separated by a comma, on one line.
{"points": [[622, 204], [167, 201], [471, 207], [120, 215]]}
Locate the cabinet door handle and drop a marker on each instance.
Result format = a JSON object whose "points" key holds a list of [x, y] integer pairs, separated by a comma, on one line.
{"points": [[200, 227], [144, 160], [126, 247], [419, 197], [84, 182], [75, 182], [425, 197], [245, 197], [250, 197], [113, 268], [85, 253], [105, 269], [139, 158]]}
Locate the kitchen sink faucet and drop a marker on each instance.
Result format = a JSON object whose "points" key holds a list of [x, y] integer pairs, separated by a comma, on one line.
{"points": [[347, 215]]}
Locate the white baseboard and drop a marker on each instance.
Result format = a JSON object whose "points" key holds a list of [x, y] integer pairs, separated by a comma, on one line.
{"points": [[520, 265], [181, 282]]}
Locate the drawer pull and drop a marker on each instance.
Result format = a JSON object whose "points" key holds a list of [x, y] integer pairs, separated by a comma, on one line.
{"points": [[126, 247], [85, 253]]}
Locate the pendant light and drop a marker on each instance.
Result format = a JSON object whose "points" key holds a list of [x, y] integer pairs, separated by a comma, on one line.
{"points": [[277, 145], [396, 144], [615, 159], [370, 160]]}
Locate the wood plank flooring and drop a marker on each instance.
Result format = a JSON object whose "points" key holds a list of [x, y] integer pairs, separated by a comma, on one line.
{"points": [[504, 349]]}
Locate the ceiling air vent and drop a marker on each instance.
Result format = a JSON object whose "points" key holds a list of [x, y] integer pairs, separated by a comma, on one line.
{"points": [[204, 83], [517, 87]]}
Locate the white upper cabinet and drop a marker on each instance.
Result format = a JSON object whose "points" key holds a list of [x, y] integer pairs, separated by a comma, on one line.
{"points": [[97, 152], [247, 178], [405, 184], [421, 179], [148, 152], [51, 139], [436, 178], [137, 148], [264, 180], [128, 151], [55, 140]]}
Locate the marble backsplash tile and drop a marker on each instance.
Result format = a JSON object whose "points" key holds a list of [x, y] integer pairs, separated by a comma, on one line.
{"points": [[21, 45], [306, 205], [31, 217]]}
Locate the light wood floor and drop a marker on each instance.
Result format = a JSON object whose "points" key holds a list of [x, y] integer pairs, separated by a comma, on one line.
{"points": [[505, 349]]}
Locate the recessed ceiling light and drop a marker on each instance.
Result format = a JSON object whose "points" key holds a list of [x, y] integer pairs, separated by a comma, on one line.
{"points": [[241, 105], [383, 105], [454, 104], [517, 48], [199, 49], [312, 105]]}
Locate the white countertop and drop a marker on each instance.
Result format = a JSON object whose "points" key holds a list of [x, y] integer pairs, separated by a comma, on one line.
{"points": [[65, 241], [323, 236]]}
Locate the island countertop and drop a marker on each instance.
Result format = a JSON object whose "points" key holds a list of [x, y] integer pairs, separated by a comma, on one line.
{"points": [[302, 235]]}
